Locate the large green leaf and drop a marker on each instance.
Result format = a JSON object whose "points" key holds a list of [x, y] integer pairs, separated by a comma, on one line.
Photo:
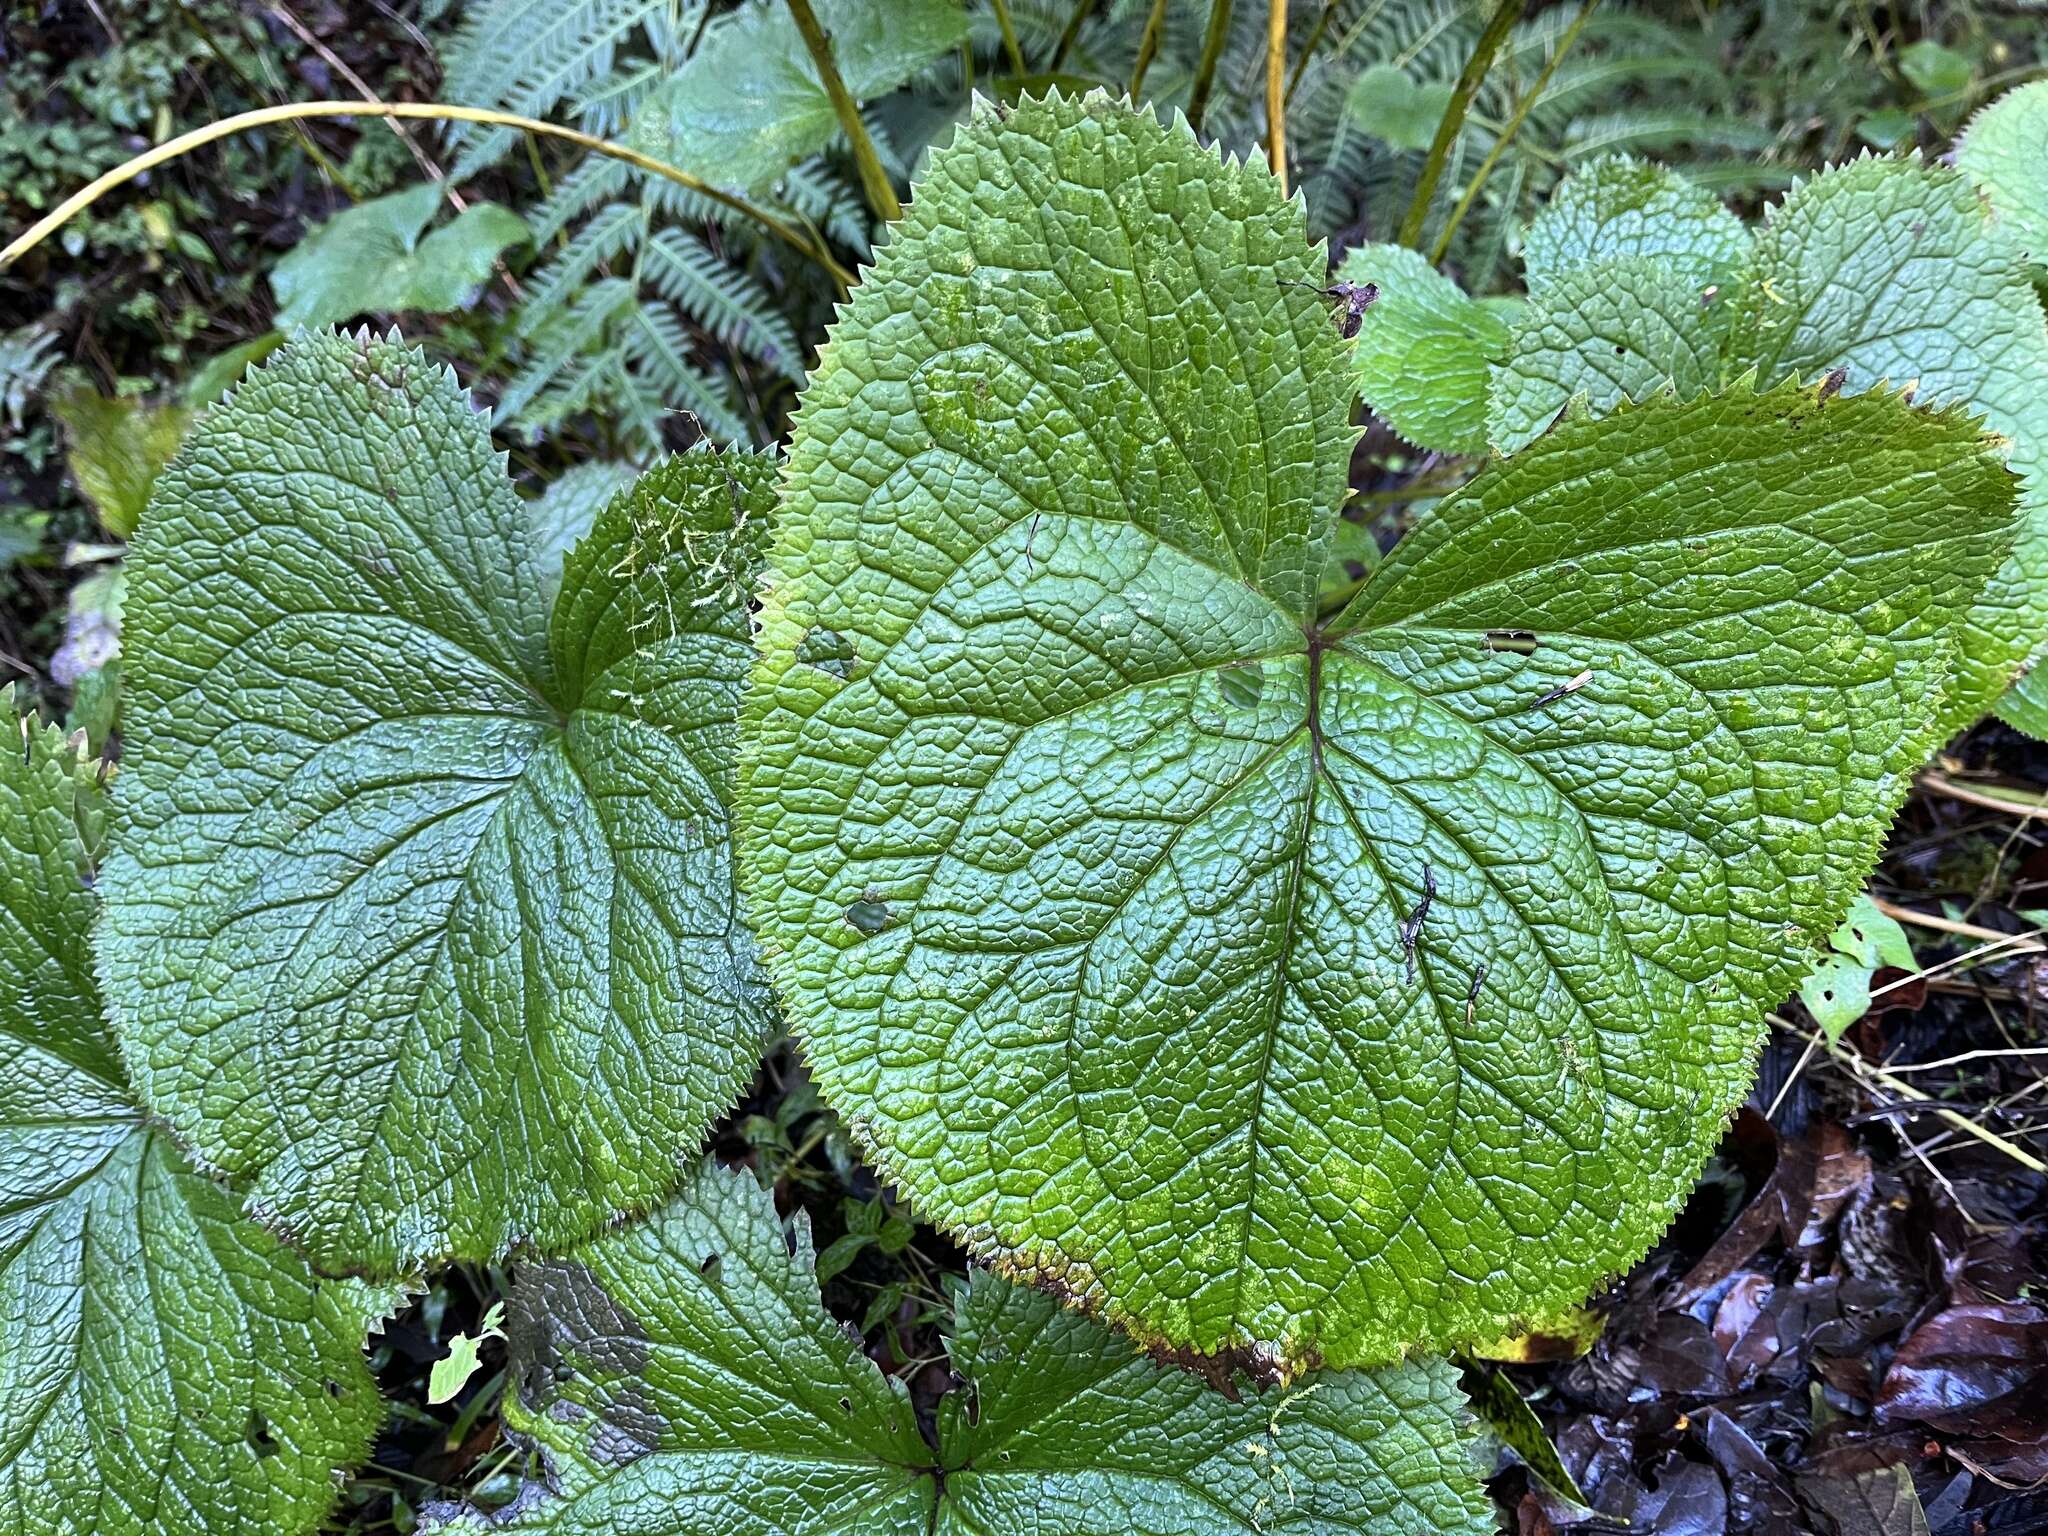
{"points": [[422, 918], [165, 1366], [371, 259], [1891, 270], [1422, 350], [748, 105], [2005, 151], [562, 514], [1384, 102], [682, 1378], [1628, 267], [1098, 878], [1070, 1430]]}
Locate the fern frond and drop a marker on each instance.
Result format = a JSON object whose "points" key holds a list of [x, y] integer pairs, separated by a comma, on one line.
{"points": [[821, 194], [1614, 131], [596, 180], [526, 56], [660, 347], [26, 358], [594, 384], [884, 142], [571, 334], [610, 235], [1576, 84], [722, 300], [606, 106], [665, 197]]}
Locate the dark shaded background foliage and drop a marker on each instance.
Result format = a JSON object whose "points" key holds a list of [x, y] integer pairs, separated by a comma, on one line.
{"points": [[1845, 1332]]}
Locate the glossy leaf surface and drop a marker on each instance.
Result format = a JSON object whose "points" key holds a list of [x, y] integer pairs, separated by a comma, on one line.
{"points": [[1614, 330], [682, 1378], [166, 1367], [1618, 207], [422, 917], [1321, 990], [1878, 272], [1892, 271]]}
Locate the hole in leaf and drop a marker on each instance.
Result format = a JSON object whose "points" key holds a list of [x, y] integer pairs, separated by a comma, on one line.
{"points": [[257, 1434], [870, 917], [712, 1268], [828, 651], [1521, 642], [1242, 683]]}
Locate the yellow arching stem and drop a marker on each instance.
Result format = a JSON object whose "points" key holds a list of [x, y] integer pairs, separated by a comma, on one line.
{"points": [[185, 143]]}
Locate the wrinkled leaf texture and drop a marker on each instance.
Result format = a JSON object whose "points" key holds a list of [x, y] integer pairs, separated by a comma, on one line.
{"points": [[682, 1378], [1085, 861], [1890, 270], [2005, 151], [1423, 350], [421, 919], [166, 1367]]}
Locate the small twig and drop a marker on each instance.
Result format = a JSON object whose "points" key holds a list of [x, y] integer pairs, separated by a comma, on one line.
{"points": [[1972, 988], [2031, 939], [1989, 796], [1276, 93], [1978, 1469], [1969, 1056], [1955, 1197], [1988, 886], [113, 32], [1901, 914], [227, 127], [1505, 15], [1797, 1067], [1308, 50], [1205, 72], [335, 62], [1869, 1075], [881, 194], [1514, 125]]}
